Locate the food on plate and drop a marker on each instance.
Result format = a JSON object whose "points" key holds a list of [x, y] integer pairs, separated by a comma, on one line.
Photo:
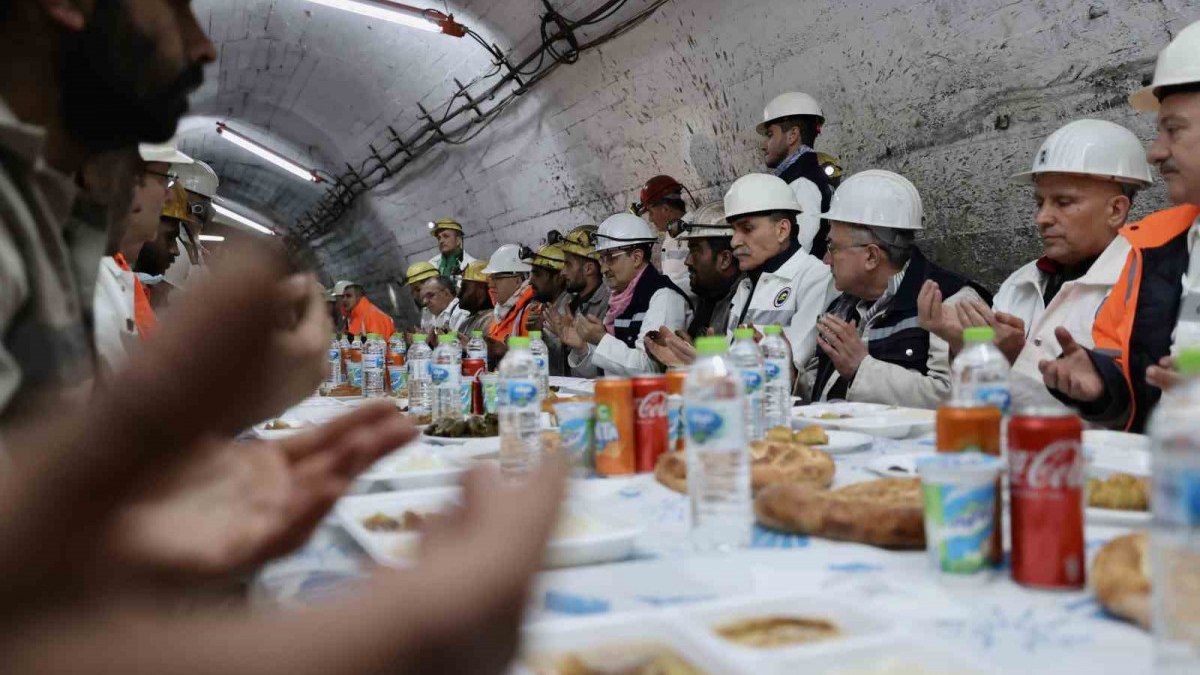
{"points": [[409, 521], [771, 462], [475, 426], [889, 512], [833, 416], [1119, 491], [1121, 578], [279, 425], [571, 525], [344, 391], [778, 631], [625, 659], [811, 435]]}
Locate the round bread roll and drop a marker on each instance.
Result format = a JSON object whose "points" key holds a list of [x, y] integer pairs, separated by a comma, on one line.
{"points": [[1121, 578], [888, 513], [771, 462], [671, 471]]}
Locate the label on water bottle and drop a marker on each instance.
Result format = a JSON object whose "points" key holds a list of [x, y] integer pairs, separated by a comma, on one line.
{"points": [[439, 373], [753, 381], [377, 361], [355, 371], [418, 370], [715, 425], [520, 396], [465, 385], [1177, 497], [399, 378], [772, 371], [540, 361], [995, 395]]}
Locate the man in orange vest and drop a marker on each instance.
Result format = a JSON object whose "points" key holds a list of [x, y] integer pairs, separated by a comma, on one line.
{"points": [[1118, 383], [508, 280], [361, 316]]}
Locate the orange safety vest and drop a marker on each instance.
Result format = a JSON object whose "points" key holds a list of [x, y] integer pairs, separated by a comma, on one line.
{"points": [[143, 314], [514, 322], [367, 318], [1112, 330]]}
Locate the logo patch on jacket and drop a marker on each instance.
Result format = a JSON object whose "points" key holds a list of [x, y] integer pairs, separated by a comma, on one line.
{"points": [[782, 297]]}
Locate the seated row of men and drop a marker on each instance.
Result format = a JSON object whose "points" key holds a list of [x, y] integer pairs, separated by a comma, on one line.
{"points": [[872, 320]]}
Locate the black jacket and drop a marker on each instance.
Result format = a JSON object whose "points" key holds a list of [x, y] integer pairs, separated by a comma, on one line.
{"points": [[807, 167]]}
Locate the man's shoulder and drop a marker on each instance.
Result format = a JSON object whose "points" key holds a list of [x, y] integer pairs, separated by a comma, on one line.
{"points": [[1160, 227], [802, 267]]}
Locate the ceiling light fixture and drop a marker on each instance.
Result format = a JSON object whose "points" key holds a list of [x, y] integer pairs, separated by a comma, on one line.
{"points": [[243, 220], [239, 139], [211, 237], [429, 20]]}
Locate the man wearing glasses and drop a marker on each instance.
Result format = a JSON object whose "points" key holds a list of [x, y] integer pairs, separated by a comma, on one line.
{"points": [[642, 300], [439, 297]]}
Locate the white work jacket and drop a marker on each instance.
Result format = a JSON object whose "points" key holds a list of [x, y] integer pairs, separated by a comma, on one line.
{"points": [[793, 296], [115, 331], [451, 318], [672, 262], [1074, 308], [666, 308], [809, 221]]}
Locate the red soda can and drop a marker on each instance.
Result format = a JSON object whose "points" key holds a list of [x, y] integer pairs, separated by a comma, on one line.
{"points": [[472, 368], [1046, 483], [650, 420]]}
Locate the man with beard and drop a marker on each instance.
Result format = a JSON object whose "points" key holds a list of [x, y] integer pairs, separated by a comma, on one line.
{"points": [[549, 289], [473, 296], [439, 295], [200, 183], [791, 123], [712, 269], [583, 281], [157, 255], [451, 259], [78, 80]]}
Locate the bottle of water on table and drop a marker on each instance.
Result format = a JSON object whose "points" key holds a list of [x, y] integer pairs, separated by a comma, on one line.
{"points": [[446, 373], [748, 361], [374, 366], [541, 355], [718, 461], [520, 406], [334, 359], [420, 387], [777, 366], [477, 346]]}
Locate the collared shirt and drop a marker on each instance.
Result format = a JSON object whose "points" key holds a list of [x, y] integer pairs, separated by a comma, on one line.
{"points": [[868, 310], [451, 318], [45, 342]]}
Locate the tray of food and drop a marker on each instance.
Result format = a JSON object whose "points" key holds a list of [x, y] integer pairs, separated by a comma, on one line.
{"points": [[897, 655], [388, 527], [420, 465], [874, 419]]}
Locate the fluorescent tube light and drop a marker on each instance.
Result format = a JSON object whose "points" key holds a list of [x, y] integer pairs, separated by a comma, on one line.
{"points": [[240, 140], [429, 20], [243, 220], [211, 237]]}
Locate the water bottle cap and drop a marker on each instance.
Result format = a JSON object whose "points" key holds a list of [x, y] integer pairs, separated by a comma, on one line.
{"points": [[419, 337], [373, 336], [710, 344], [476, 333], [979, 334], [535, 335], [772, 330], [743, 333], [1188, 361], [448, 339], [516, 342]]}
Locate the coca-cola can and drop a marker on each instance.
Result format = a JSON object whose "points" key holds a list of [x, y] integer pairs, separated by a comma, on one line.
{"points": [[1046, 482], [651, 430]]}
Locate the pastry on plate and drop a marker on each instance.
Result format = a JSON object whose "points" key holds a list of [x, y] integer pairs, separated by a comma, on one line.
{"points": [[778, 631], [812, 435], [671, 471], [771, 462], [889, 512], [1121, 578], [1119, 491]]}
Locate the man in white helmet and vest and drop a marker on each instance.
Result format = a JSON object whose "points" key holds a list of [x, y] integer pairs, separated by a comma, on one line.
{"points": [[791, 123], [451, 259], [508, 280], [1154, 308], [201, 184], [1084, 178], [642, 299], [870, 344], [781, 282]]}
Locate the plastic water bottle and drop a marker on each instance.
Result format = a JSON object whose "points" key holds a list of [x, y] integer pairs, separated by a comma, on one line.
{"points": [[374, 367], [520, 410], [397, 367], [748, 360], [446, 374], [344, 344], [334, 358], [777, 365], [354, 367], [541, 356], [420, 387], [1175, 536], [980, 373], [718, 463], [477, 346]]}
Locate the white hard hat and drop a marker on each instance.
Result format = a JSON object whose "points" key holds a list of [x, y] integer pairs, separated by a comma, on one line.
{"points": [[1092, 148], [758, 193], [1178, 63], [624, 229], [340, 287], [507, 260], [163, 152], [708, 222], [877, 198], [791, 104], [199, 178]]}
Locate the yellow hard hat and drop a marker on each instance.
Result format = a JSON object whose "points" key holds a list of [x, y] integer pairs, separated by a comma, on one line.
{"points": [[418, 272], [176, 205], [474, 272], [830, 165], [581, 241], [550, 256], [446, 224]]}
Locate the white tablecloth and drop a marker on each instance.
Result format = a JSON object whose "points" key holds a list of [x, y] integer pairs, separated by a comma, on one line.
{"points": [[1006, 625]]}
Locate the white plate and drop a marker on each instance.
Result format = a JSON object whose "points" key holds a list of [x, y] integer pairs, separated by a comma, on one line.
{"points": [[899, 654], [607, 539], [398, 473], [845, 442], [875, 419], [1117, 518], [298, 425], [899, 465], [1112, 452]]}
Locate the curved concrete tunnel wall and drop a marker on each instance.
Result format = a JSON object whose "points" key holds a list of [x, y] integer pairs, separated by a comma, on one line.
{"points": [[955, 95]]}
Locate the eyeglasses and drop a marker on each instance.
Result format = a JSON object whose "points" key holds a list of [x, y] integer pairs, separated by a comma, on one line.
{"points": [[607, 257], [171, 178], [833, 250]]}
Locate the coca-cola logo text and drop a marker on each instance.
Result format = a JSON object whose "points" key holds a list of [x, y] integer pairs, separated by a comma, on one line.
{"points": [[1057, 466], [653, 404]]}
